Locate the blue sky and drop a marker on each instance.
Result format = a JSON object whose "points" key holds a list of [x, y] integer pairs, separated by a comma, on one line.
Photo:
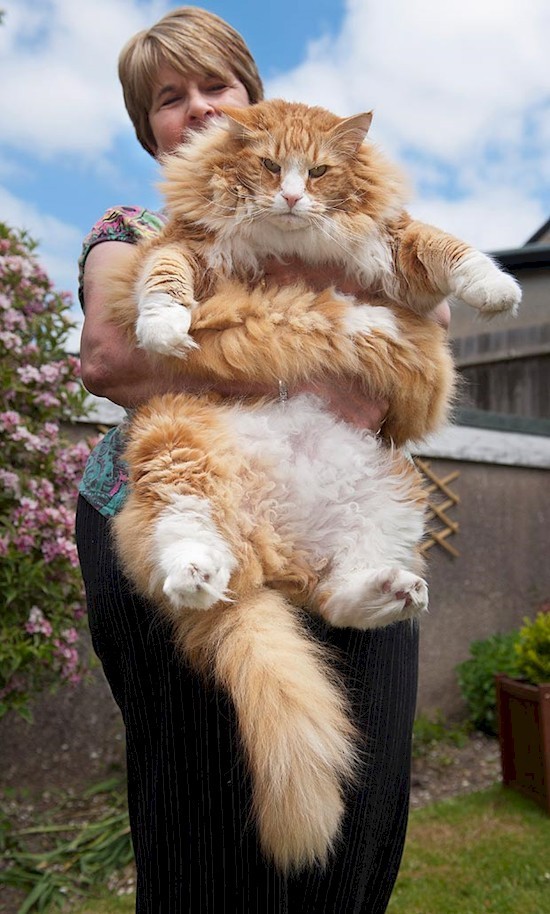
{"points": [[460, 91]]}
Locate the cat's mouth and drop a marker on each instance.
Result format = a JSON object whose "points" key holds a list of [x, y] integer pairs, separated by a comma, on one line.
{"points": [[290, 220]]}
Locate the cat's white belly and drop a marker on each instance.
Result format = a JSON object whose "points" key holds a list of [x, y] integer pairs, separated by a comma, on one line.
{"points": [[336, 493]]}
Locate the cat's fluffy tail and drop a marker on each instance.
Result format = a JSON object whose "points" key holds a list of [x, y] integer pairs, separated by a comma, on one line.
{"points": [[293, 720]]}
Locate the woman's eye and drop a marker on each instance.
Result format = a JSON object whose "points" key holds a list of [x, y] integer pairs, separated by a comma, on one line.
{"points": [[317, 171], [272, 166]]}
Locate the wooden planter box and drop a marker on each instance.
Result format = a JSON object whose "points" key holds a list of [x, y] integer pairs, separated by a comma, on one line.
{"points": [[524, 736]]}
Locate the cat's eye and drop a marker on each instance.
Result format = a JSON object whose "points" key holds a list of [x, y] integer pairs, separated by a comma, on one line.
{"points": [[272, 166], [317, 171]]}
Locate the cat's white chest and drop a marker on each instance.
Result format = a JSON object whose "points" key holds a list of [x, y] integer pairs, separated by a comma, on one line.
{"points": [[245, 248]]}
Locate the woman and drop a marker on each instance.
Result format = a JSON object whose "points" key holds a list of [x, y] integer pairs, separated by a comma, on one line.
{"points": [[189, 795]]}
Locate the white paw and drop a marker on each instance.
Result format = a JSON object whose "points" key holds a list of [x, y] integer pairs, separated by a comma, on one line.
{"points": [[372, 599], [193, 562], [163, 326], [483, 286], [402, 590], [198, 577], [367, 319]]}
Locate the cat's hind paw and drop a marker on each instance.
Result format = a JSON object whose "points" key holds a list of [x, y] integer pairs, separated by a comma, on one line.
{"points": [[375, 598], [163, 326], [193, 562], [199, 578], [407, 590]]}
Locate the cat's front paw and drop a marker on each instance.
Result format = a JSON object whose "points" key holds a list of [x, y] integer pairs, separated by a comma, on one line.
{"points": [[482, 285], [163, 326], [199, 577]]}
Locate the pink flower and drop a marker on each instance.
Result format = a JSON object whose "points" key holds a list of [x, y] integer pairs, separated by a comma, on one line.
{"points": [[69, 659], [37, 623], [28, 374], [14, 319], [47, 399], [10, 481], [11, 342], [10, 419], [23, 542], [70, 635]]}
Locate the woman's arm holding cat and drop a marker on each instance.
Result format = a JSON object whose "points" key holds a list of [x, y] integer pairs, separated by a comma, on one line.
{"points": [[114, 368], [111, 366]]}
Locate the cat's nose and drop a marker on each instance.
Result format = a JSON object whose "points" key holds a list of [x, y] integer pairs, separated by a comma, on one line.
{"points": [[292, 199]]}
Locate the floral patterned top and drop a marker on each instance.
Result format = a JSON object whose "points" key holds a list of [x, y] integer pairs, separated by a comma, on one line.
{"points": [[105, 479]]}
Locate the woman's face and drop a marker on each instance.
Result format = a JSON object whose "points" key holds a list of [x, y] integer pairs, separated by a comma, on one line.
{"points": [[181, 105]]}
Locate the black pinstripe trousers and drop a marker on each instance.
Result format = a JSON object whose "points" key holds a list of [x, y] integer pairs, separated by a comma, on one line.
{"points": [[188, 790]]}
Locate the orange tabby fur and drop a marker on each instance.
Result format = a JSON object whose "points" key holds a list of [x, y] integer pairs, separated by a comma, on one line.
{"points": [[293, 718]]}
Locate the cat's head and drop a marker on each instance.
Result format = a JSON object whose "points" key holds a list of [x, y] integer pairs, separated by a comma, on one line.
{"points": [[295, 160], [279, 165]]}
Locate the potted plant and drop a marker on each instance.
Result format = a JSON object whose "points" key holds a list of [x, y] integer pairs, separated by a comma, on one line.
{"points": [[523, 707]]}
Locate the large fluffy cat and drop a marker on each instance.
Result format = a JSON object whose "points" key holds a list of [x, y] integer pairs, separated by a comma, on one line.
{"points": [[238, 509]]}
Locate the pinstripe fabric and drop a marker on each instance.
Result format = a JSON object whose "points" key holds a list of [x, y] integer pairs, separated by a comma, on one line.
{"points": [[189, 798]]}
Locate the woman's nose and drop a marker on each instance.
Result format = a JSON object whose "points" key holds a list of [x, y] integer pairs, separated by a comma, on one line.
{"points": [[200, 106]]}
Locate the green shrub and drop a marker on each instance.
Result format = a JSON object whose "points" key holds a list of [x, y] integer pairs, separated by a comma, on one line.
{"points": [[430, 731], [533, 649], [476, 677]]}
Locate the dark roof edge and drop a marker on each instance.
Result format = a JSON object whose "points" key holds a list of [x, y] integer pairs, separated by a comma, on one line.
{"points": [[539, 233], [535, 256]]}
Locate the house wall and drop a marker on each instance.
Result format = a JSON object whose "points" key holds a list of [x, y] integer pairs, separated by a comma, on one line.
{"points": [[502, 572], [505, 363]]}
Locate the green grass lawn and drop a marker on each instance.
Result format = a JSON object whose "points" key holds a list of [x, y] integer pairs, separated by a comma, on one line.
{"points": [[111, 904], [486, 852]]}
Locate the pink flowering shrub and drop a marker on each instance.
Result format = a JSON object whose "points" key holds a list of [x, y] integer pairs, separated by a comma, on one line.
{"points": [[41, 594]]}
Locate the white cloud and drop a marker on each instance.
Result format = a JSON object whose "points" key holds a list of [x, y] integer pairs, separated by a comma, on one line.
{"points": [[58, 60], [460, 92], [484, 219]]}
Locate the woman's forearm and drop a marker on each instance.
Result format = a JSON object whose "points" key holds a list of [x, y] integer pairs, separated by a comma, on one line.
{"points": [[112, 366]]}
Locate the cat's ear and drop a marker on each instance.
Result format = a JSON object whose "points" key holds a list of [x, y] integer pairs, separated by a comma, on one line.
{"points": [[351, 131], [237, 121]]}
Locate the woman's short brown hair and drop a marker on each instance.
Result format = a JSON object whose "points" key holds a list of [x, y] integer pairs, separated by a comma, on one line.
{"points": [[192, 41]]}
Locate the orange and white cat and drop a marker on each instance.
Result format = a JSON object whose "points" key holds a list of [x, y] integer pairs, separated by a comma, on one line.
{"points": [[238, 510]]}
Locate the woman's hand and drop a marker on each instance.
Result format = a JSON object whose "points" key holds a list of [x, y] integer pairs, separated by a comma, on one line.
{"points": [[348, 402]]}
